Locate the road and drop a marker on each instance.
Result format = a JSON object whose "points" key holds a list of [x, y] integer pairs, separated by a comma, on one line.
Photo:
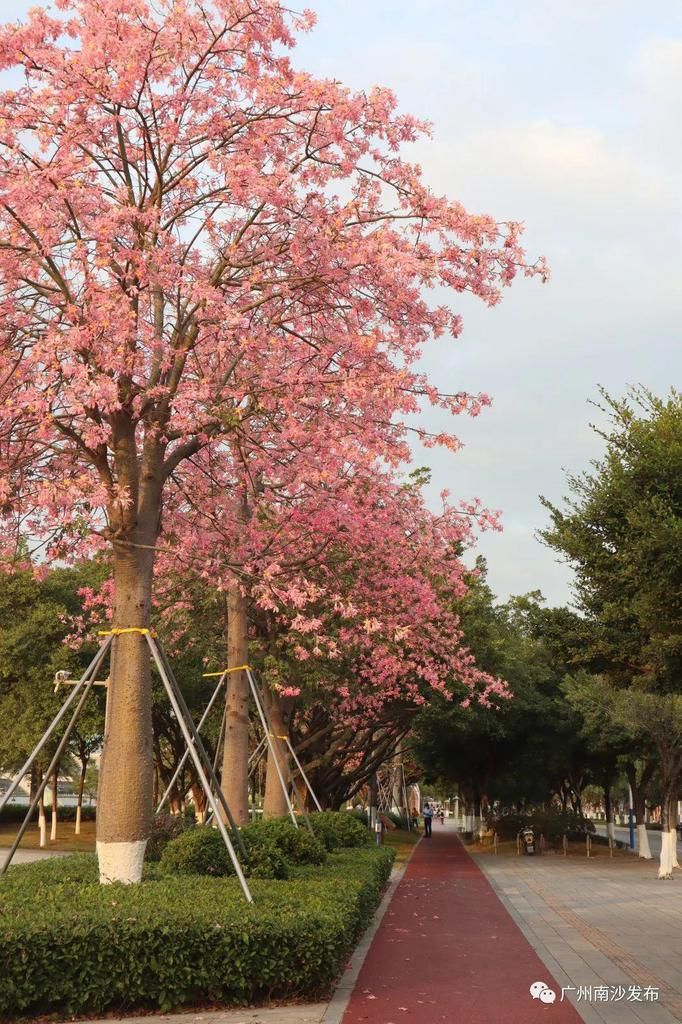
{"points": [[28, 856], [622, 833]]}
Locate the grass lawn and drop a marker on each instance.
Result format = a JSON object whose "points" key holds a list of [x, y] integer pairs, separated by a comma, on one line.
{"points": [[66, 841], [399, 840], [402, 842]]}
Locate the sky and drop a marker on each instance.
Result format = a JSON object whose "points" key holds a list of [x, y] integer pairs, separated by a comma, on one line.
{"points": [[564, 114]]}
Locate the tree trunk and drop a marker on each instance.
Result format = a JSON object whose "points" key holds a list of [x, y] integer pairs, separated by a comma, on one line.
{"points": [[36, 778], [200, 801], [608, 809], [672, 823], [373, 800], [55, 789], [124, 801], [475, 821], [639, 801], [279, 709], [639, 787], [563, 796], [81, 787], [235, 777], [668, 833], [41, 812]]}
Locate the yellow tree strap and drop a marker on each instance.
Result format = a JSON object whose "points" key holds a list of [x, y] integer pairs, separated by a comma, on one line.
{"points": [[226, 671], [276, 736], [129, 629]]}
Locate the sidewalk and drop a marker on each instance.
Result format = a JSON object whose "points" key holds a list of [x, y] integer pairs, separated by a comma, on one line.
{"points": [[607, 927], [448, 952], [28, 856]]}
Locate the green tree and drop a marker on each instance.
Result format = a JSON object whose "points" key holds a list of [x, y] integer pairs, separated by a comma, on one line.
{"points": [[530, 749], [36, 616], [620, 529]]}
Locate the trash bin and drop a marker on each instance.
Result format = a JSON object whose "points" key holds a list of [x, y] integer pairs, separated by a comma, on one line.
{"points": [[379, 832]]}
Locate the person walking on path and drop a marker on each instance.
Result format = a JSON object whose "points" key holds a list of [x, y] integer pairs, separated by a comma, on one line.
{"points": [[428, 819], [448, 952]]}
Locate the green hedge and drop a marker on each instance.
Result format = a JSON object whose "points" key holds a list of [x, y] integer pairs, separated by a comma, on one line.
{"points": [[201, 851], [340, 829], [17, 812], [165, 828], [271, 847], [71, 946], [297, 845]]}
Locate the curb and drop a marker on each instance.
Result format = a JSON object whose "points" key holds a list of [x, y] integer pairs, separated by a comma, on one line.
{"points": [[343, 991]]}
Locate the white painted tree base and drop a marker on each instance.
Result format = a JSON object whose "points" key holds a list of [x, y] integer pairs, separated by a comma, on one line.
{"points": [[78, 821], [665, 868], [53, 830], [43, 830], [643, 848], [121, 862], [611, 830]]}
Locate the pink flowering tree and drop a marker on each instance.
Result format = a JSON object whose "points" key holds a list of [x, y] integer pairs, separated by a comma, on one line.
{"points": [[345, 581], [197, 236]]}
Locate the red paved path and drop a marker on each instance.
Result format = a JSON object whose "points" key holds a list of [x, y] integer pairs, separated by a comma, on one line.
{"points": [[447, 950]]}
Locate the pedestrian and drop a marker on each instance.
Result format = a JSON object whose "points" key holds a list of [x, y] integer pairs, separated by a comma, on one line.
{"points": [[428, 818], [441, 815]]}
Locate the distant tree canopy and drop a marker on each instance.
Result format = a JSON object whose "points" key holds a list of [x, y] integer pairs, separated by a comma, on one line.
{"points": [[36, 616], [530, 747], [620, 530]]}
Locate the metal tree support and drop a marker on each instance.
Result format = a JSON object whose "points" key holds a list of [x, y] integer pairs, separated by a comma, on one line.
{"points": [[268, 742], [303, 774], [266, 728], [255, 757], [390, 778], [198, 753], [89, 674], [195, 747], [183, 760], [264, 718], [83, 687]]}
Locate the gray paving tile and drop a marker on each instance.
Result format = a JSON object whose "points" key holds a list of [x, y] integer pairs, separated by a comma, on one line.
{"points": [[599, 921]]}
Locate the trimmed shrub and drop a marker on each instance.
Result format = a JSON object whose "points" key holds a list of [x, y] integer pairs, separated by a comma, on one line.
{"points": [[164, 828], [339, 829], [73, 947], [265, 860], [198, 851], [17, 813], [77, 868], [297, 845], [201, 851]]}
